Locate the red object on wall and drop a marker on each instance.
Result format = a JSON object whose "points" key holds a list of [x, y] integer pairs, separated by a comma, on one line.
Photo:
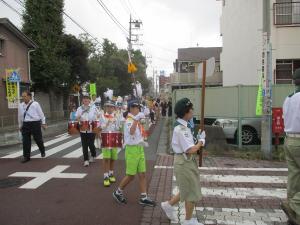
{"points": [[277, 121]]}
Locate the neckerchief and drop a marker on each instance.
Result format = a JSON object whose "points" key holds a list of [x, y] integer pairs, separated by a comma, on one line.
{"points": [[190, 127]]}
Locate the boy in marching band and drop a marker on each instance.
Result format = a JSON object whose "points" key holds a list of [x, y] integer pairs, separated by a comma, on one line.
{"points": [[85, 115], [110, 122], [134, 155]]}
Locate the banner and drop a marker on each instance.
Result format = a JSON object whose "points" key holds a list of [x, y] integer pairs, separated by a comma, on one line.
{"points": [[93, 89], [259, 99], [11, 88]]}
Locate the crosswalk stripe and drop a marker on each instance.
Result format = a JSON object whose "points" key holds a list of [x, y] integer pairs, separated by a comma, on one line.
{"points": [[35, 147], [61, 135], [241, 193], [242, 179], [59, 148], [74, 154]]}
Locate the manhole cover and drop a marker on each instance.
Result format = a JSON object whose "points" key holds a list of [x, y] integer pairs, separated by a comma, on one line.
{"points": [[11, 182]]}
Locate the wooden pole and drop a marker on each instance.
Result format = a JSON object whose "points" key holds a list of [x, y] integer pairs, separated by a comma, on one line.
{"points": [[202, 108]]}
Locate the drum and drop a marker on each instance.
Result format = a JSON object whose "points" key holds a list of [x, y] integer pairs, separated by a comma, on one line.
{"points": [[111, 140], [96, 127], [73, 127], [85, 126]]}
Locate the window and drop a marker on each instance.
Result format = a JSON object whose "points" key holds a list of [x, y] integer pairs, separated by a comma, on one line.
{"points": [[287, 12], [285, 70], [1, 47]]}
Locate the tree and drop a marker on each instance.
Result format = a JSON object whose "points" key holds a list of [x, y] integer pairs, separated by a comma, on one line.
{"points": [[77, 55], [43, 23]]}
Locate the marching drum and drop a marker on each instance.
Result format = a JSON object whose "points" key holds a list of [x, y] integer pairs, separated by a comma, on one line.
{"points": [[111, 140], [73, 127], [96, 127], [84, 126]]}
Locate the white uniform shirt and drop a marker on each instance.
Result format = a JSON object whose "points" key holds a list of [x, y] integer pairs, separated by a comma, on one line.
{"points": [[34, 113], [182, 139], [114, 125], [86, 114], [134, 139], [291, 114]]}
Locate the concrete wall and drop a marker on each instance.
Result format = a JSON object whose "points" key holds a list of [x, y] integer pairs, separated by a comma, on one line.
{"points": [[241, 29]]}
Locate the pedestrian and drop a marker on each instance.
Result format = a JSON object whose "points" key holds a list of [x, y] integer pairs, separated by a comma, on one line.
{"points": [[164, 107], [169, 108], [110, 124], [185, 165], [291, 114], [85, 115], [73, 114], [134, 156], [31, 120]]}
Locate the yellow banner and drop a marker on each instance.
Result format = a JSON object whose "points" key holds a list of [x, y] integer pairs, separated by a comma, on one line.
{"points": [[259, 100], [11, 91]]}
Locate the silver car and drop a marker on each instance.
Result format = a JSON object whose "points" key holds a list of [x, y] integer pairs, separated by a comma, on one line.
{"points": [[251, 129]]}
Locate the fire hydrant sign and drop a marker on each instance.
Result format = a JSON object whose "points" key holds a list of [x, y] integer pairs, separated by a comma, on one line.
{"points": [[12, 79], [277, 121]]}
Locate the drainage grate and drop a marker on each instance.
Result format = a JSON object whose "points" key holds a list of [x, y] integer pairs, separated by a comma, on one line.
{"points": [[11, 182]]}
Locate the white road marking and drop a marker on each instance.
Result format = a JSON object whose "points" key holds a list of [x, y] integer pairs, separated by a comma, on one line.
{"points": [[234, 169], [35, 147], [61, 135], [41, 178], [74, 154], [242, 193], [59, 148]]}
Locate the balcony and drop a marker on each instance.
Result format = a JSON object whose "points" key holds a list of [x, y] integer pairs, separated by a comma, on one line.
{"points": [[287, 14]]}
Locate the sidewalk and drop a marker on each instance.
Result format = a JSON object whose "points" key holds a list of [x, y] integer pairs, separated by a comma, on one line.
{"points": [[235, 191]]}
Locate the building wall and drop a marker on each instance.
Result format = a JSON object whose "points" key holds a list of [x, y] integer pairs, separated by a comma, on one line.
{"points": [[14, 56], [241, 28]]}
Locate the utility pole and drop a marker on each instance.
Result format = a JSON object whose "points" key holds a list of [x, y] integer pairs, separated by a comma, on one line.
{"points": [[266, 125], [130, 41]]}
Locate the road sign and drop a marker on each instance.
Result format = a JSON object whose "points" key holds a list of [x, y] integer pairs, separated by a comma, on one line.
{"points": [[210, 68], [131, 68], [14, 77]]}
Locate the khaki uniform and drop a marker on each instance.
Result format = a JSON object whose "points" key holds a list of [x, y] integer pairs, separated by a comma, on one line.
{"points": [[291, 112], [185, 165]]}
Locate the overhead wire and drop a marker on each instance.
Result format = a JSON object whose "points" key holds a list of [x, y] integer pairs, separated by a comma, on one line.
{"points": [[12, 8]]}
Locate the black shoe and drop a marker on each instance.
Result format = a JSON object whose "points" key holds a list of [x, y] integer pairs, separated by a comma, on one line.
{"points": [[43, 154], [119, 198], [147, 202], [290, 213], [25, 160]]}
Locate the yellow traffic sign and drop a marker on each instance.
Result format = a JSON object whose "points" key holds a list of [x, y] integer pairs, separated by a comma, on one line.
{"points": [[131, 68]]}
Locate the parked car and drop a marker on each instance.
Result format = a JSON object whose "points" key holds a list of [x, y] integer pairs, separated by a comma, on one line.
{"points": [[251, 129]]}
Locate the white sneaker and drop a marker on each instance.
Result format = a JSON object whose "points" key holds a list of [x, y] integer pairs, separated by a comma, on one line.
{"points": [[92, 159], [86, 163], [192, 221], [169, 210]]}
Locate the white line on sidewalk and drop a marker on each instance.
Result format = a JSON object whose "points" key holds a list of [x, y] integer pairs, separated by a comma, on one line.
{"points": [[35, 147], [234, 169], [242, 193]]}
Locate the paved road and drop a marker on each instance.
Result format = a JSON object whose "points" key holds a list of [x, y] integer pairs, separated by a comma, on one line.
{"points": [[58, 190]]}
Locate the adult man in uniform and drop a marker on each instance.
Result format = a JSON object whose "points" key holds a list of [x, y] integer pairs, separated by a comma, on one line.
{"points": [[291, 114], [185, 165], [31, 119]]}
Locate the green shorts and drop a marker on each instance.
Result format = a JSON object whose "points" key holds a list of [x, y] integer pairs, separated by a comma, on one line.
{"points": [[135, 159], [110, 153]]}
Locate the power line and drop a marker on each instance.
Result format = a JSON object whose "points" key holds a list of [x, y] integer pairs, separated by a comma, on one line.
{"points": [[125, 7], [113, 18], [132, 9], [74, 21], [12, 8]]}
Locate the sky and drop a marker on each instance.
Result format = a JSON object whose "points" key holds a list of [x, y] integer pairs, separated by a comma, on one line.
{"points": [[167, 25]]}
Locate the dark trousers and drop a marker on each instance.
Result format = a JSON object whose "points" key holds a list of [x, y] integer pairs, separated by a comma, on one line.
{"points": [[34, 129], [87, 141]]}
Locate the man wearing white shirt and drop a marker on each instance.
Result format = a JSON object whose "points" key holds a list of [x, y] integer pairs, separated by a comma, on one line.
{"points": [[31, 118]]}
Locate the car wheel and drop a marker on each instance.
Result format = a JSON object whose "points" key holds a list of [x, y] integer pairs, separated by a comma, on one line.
{"points": [[249, 136]]}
